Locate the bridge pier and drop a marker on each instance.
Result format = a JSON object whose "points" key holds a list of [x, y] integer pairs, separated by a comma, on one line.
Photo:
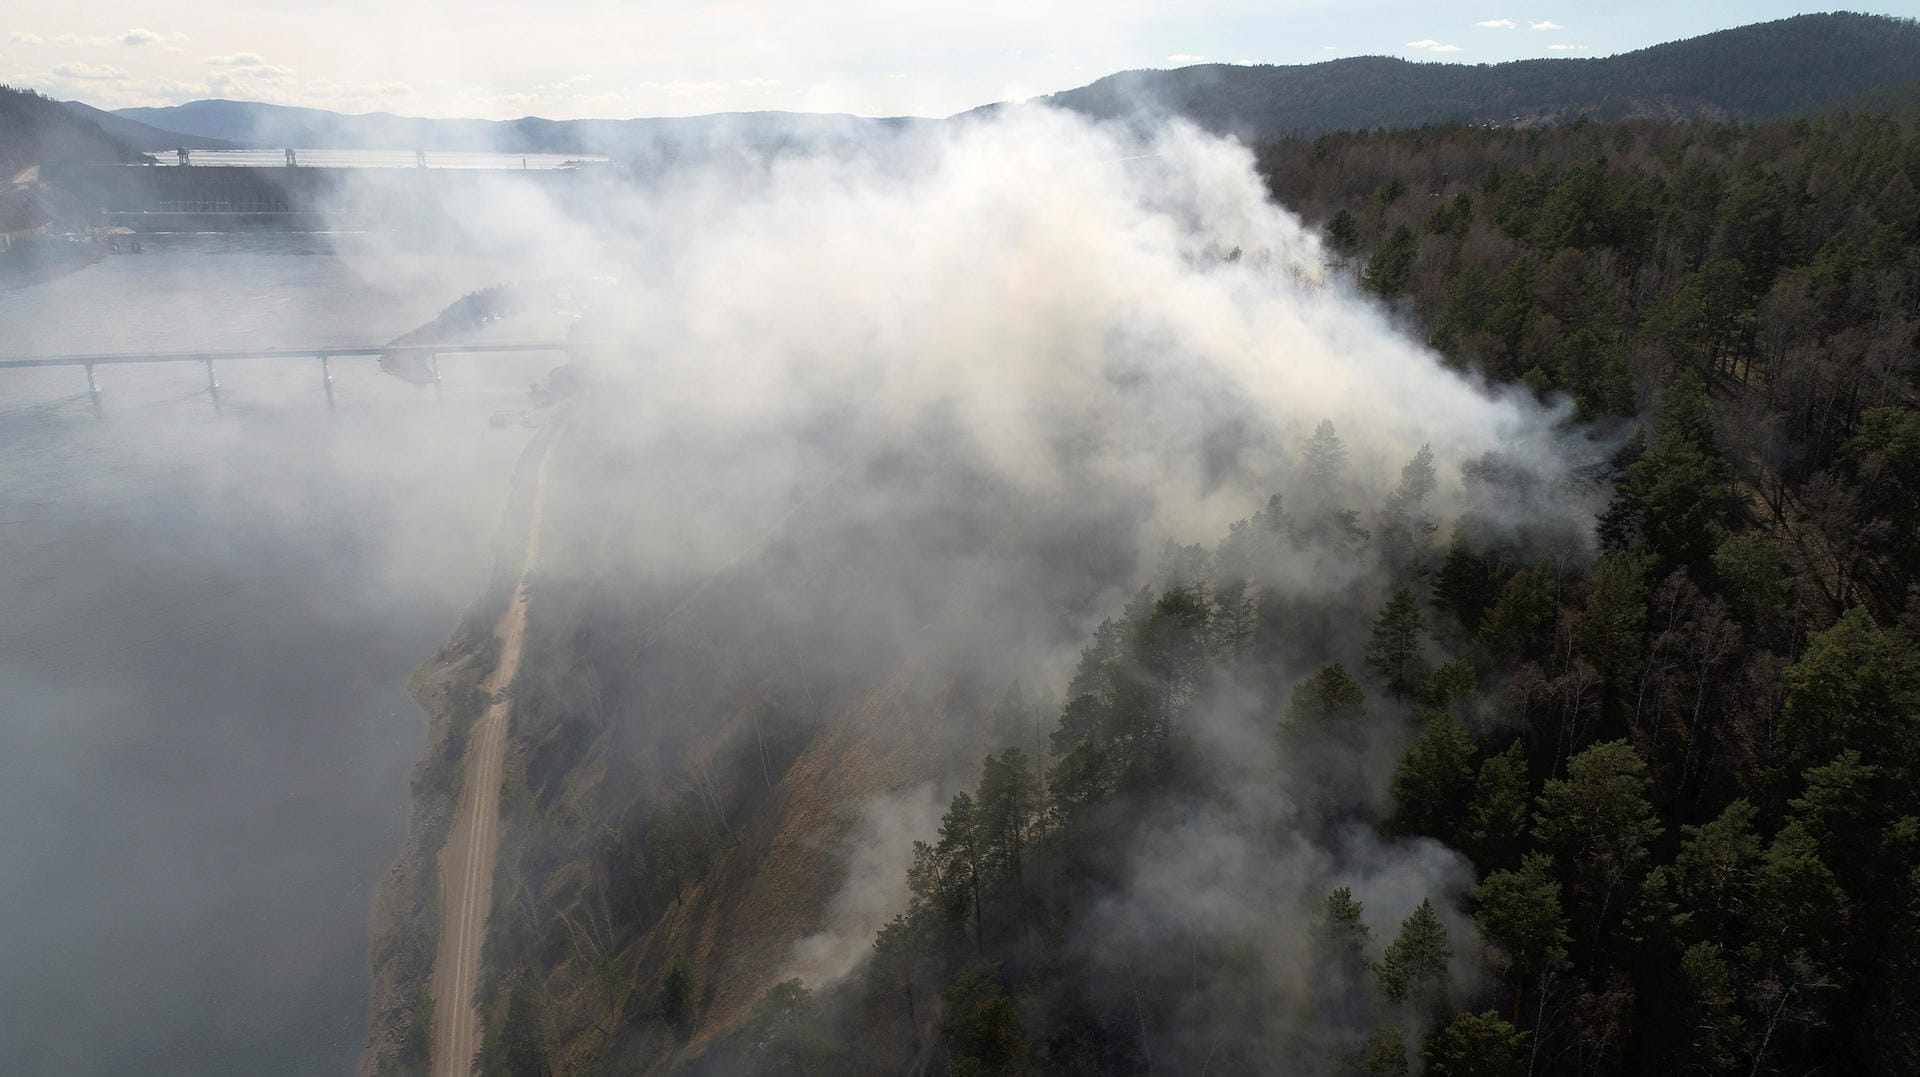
{"points": [[326, 377], [93, 390], [213, 386]]}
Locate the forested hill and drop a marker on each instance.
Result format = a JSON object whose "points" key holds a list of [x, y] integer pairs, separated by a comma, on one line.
{"points": [[1756, 72], [1681, 770], [37, 130], [1686, 771]]}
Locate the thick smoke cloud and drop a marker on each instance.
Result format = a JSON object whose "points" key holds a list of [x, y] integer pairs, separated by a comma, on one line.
{"points": [[939, 404], [877, 427], [1091, 329]]}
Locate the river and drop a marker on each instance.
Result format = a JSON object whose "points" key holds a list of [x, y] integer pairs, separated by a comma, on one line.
{"points": [[205, 622]]}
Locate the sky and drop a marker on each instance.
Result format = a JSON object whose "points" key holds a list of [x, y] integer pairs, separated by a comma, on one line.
{"points": [[568, 59]]}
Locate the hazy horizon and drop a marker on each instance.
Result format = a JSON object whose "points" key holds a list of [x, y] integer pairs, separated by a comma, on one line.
{"points": [[1391, 570], [692, 60]]}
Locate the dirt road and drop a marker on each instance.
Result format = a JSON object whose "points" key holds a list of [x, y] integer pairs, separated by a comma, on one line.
{"points": [[466, 861]]}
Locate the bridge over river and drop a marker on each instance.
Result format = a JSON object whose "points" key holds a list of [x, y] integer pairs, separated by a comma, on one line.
{"points": [[324, 354]]}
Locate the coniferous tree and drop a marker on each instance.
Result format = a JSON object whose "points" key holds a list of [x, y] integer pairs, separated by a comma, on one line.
{"points": [[1467, 585], [958, 867], [1414, 967], [1341, 938], [983, 1024], [1614, 618], [787, 1036], [1501, 810], [1325, 459], [1384, 1054], [1751, 571], [1391, 266], [1518, 912], [1600, 825], [1405, 532], [676, 995], [517, 1047], [1856, 685], [1009, 803], [1715, 1028], [1328, 706], [1338, 953], [1343, 232], [1476, 1045], [1434, 777], [1393, 650], [1715, 870]]}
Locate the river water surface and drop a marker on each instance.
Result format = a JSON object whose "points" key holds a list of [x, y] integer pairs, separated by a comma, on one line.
{"points": [[205, 623]]}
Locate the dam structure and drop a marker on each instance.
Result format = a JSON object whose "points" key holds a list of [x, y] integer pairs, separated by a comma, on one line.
{"points": [[229, 198]]}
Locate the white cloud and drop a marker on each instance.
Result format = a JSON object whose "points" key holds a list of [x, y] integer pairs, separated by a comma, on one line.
{"points": [[1496, 24], [1185, 58], [241, 73], [76, 39], [241, 78], [1430, 45], [345, 97], [1566, 48], [89, 72], [684, 89], [1546, 24], [23, 38], [140, 36]]}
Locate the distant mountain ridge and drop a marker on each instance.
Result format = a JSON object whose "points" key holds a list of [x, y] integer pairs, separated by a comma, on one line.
{"points": [[1758, 72], [39, 130], [285, 125], [1802, 64], [143, 136]]}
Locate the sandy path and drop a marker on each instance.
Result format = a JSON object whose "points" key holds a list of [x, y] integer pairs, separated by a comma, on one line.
{"points": [[466, 861]]}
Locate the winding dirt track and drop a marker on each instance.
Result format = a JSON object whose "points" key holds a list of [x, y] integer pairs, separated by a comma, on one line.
{"points": [[466, 861]]}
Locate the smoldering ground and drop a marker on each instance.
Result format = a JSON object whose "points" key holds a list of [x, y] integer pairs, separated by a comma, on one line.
{"points": [[939, 406]]}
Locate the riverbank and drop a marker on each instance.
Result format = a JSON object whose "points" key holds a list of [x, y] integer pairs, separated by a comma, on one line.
{"points": [[34, 259], [452, 692]]}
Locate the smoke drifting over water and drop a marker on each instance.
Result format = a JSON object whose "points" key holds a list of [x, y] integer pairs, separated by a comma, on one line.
{"points": [[922, 412], [204, 735]]}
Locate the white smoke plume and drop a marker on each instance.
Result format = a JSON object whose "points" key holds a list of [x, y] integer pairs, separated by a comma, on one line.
{"points": [[944, 398]]}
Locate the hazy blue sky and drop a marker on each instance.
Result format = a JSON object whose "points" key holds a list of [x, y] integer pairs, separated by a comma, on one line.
{"points": [[572, 58]]}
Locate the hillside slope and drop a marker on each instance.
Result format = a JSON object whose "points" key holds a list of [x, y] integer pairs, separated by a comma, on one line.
{"points": [[1756, 72], [35, 130], [146, 136]]}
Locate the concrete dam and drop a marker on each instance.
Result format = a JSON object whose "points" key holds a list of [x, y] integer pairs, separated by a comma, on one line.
{"points": [[165, 198]]}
